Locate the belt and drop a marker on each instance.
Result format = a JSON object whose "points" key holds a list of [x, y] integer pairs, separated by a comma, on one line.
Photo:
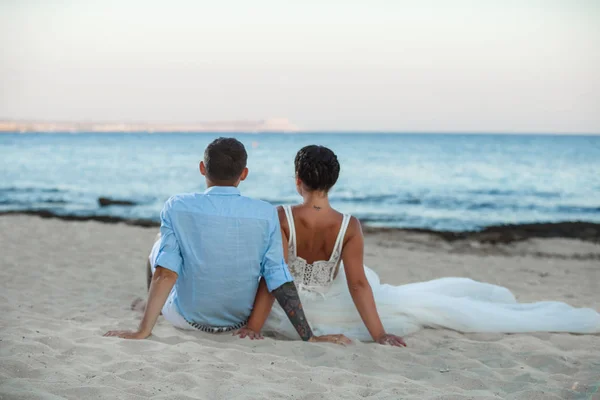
{"points": [[216, 329]]}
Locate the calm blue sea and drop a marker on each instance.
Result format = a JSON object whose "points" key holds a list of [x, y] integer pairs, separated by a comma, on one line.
{"points": [[444, 182]]}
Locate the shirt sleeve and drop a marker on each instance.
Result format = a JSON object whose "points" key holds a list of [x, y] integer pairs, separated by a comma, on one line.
{"points": [[169, 254], [274, 269]]}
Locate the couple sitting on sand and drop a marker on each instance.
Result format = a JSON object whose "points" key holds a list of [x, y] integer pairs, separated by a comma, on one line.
{"points": [[219, 264]]}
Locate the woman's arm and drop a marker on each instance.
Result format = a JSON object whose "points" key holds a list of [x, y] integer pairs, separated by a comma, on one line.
{"points": [[262, 304], [360, 289], [260, 312]]}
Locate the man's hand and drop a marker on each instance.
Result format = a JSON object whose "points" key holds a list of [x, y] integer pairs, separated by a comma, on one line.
{"points": [[337, 339], [127, 334], [249, 333], [392, 340]]}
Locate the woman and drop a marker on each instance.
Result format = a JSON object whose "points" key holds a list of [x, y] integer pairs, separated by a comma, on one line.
{"points": [[325, 256]]}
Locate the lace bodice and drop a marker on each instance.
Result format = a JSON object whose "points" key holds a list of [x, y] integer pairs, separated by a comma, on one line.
{"points": [[318, 276]]}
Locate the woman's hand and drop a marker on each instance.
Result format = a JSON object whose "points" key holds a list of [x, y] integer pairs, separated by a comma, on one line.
{"points": [[391, 340], [128, 334]]}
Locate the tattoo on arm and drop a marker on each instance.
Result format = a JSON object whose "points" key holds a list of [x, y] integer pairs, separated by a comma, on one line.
{"points": [[288, 298]]}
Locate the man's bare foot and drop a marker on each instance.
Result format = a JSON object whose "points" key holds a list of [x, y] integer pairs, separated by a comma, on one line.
{"points": [[138, 304]]}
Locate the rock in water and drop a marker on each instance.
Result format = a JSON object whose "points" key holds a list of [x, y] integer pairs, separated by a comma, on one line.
{"points": [[105, 201]]}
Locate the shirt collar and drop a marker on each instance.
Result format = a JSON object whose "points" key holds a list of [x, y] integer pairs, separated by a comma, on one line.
{"points": [[223, 191]]}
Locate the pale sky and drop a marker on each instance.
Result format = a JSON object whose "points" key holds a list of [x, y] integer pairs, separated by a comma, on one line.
{"points": [[374, 65]]}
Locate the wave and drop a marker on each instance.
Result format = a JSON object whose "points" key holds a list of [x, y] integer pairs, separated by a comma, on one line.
{"points": [[11, 202], [14, 189], [279, 202], [375, 199], [381, 198], [507, 193], [578, 209]]}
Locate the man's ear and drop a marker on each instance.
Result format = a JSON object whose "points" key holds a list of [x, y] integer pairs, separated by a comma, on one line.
{"points": [[202, 168], [244, 174]]}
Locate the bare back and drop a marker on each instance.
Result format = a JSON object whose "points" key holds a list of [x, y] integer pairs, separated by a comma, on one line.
{"points": [[315, 240], [316, 231]]}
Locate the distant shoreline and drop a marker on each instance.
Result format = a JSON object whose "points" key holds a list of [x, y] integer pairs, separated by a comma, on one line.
{"points": [[264, 126], [497, 234]]}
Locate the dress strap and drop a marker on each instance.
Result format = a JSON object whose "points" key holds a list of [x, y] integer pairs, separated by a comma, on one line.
{"points": [[339, 243], [290, 220]]}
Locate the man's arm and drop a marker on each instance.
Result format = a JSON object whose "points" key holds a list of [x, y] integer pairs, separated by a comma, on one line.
{"points": [[160, 287], [169, 263]]}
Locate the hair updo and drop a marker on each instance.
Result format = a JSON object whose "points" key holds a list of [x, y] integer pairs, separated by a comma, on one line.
{"points": [[317, 167]]}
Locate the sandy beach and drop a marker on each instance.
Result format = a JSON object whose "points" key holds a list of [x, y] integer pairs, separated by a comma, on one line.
{"points": [[63, 284]]}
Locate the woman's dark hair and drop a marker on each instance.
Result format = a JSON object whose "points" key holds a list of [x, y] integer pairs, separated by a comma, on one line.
{"points": [[317, 167]]}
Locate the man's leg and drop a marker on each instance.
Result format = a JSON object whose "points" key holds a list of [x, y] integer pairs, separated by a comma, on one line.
{"points": [[148, 273], [139, 304], [151, 257]]}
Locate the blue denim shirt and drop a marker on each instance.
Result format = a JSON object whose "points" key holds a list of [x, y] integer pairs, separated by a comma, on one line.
{"points": [[220, 243]]}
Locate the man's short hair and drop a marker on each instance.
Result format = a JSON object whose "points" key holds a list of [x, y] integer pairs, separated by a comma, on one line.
{"points": [[225, 160]]}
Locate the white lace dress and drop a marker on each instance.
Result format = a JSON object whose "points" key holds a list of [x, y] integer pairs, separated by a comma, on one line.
{"points": [[459, 304]]}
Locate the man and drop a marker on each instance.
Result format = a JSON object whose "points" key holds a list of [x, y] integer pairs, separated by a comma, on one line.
{"points": [[216, 251]]}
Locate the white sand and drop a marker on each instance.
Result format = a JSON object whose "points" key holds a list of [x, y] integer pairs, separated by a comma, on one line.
{"points": [[63, 284]]}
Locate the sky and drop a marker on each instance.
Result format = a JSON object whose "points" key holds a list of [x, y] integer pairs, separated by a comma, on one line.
{"points": [[407, 66]]}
